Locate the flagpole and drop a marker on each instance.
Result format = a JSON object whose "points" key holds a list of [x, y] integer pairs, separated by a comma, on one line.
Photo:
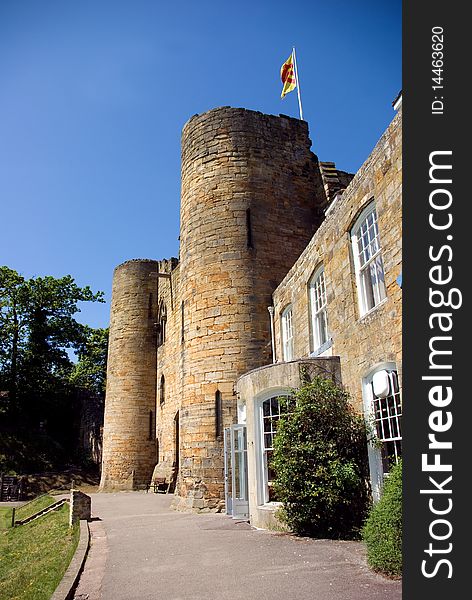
{"points": [[298, 83]]}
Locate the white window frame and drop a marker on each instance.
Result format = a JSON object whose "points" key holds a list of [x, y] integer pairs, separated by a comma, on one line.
{"points": [[368, 263], [318, 311], [384, 430], [261, 450], [286, 321]]}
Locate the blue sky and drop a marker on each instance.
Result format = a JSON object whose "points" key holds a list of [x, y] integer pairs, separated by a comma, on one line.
{"points": [[94, 94]]}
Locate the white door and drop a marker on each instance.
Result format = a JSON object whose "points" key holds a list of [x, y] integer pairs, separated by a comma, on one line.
{"points": [[236, 487], [228, 471]]}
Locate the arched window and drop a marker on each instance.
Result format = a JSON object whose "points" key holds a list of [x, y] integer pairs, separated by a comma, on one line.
{"points": [[287, 333], [161, 324], [368, 260], [162, 390], [318, 311]]}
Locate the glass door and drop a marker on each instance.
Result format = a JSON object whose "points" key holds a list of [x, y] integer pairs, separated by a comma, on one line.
{"points": [[239, 486], [228, 472]]}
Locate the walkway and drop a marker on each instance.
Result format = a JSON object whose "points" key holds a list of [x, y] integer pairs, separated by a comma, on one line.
{"points": [[143, 550]]}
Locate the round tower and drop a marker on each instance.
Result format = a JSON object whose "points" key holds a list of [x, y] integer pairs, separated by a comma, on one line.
{"points": [[250, 203], [129, 445]]}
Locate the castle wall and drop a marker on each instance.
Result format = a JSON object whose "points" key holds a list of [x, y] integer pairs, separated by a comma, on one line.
{"points": [[360, 342], [169, 364], [251, 198], [129, 446]]}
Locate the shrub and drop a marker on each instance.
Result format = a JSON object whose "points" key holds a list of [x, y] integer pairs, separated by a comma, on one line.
{"points": [[320, 463], [382, 532]]}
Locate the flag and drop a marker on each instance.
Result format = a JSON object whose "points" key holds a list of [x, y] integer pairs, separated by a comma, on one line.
{"points": [[287, 74]]}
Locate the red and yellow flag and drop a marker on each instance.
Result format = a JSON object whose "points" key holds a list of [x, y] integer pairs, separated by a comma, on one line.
{"points": [[287, 74]]}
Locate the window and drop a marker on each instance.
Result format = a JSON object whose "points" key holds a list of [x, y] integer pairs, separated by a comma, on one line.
{"points": [[151, 425], [249, 229], [271, 410], [368, 260], [162, 390], [287, 333], [383, 412], [319, 317], [218, 415], [161, 324]]}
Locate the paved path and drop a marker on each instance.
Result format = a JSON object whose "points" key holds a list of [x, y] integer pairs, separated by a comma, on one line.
{"points": [[143, 550]]}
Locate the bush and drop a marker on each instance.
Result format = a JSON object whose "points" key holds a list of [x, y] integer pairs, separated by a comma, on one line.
{"points": [[382, 532], [321, 464]]}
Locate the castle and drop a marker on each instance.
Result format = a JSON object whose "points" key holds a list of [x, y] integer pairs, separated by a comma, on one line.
{"points": [[286, 264]]}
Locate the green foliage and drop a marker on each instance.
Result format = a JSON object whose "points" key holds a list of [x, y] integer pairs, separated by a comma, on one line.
{"points": [[320, 463], [90, 371], [382, 531], [38, 380]]}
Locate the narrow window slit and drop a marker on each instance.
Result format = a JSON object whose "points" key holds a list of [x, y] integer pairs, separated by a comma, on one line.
{"points": [[249, 229]]}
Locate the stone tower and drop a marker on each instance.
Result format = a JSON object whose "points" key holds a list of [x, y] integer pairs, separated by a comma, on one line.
{"points": [[182, 332], [250, 202], [129, 447]]}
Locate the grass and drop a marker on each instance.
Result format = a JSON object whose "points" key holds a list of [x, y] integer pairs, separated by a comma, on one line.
{"points": [[30, 508], [5, 518], [35, 556]]}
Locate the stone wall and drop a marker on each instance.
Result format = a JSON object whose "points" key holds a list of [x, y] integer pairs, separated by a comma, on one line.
{"points": [[253, 196], [360, 342], [170, 361], [80, 507], [90, 408]]}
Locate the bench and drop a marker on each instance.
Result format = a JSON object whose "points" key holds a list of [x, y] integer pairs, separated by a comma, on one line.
{"points": [[161, 484], [163, 479]]}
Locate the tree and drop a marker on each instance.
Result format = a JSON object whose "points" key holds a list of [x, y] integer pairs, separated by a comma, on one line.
{"points": [[90, 371], [37, 327], [320, 462], [38, 380], [13, 319]]}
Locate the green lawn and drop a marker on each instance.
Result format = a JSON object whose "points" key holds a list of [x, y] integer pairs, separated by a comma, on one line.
{"points": [[35, 556], [5, 518], [30, 508]]}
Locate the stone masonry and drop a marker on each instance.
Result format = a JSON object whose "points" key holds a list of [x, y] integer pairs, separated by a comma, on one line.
{"points": [[182, 332], [360, 342], [252, 229], [80, 507]]}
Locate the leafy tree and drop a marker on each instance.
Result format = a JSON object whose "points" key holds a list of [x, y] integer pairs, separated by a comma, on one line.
{"points": [[37, 327], [13, 323], [90, 371], [320, 462]]}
